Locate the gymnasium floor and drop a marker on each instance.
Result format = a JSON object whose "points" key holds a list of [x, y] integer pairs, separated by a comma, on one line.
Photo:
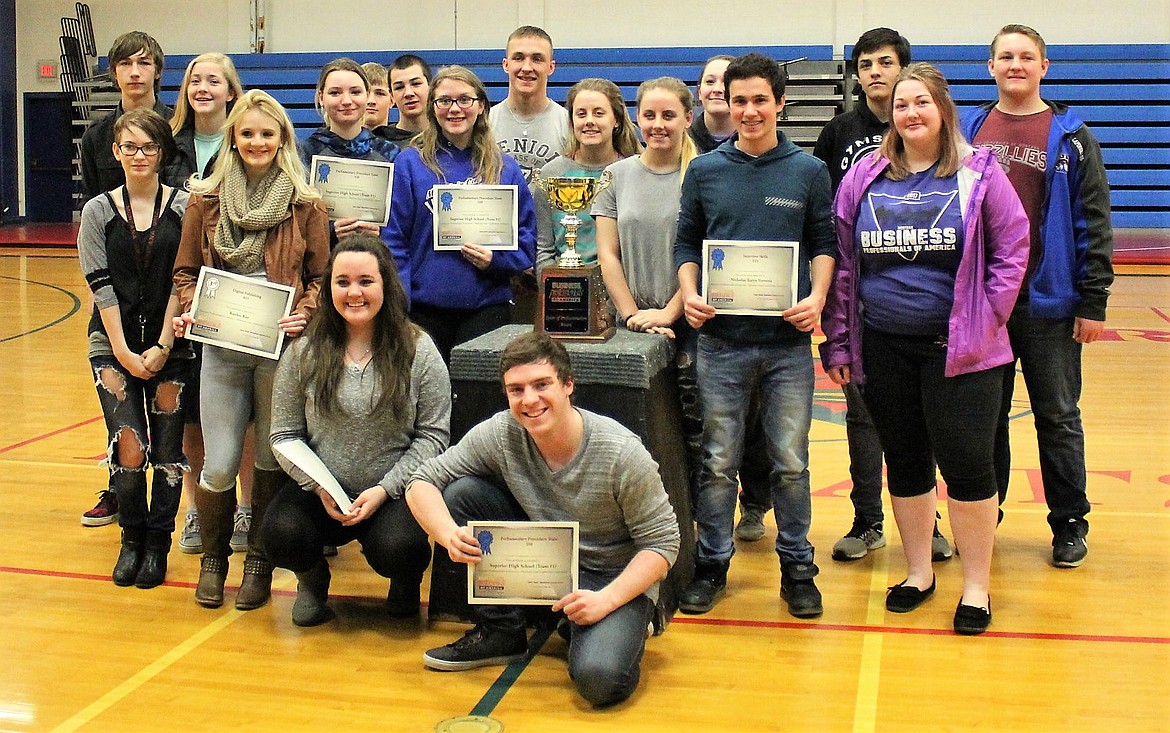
{"points": [[1069, 650]]}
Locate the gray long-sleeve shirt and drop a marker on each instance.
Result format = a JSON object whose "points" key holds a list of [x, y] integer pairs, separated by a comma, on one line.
{"points": [[360, 449], [611, 486]]}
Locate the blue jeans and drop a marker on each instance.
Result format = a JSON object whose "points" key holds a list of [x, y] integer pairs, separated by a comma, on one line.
{"points": [[1051, 362], [605, 659], [865, 458], [129, 403], [783, 376], [234, 388]]}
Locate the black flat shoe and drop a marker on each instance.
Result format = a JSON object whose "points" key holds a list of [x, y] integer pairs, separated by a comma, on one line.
{"points": [[972, 620], [903, 598]]}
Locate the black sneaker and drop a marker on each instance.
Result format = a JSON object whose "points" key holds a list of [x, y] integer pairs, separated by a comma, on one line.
{"points": [[859, 540], [1069, 547], [479, 647], [799, 590], [708, 586]]}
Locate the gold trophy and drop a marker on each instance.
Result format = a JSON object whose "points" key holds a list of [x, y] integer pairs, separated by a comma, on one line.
{"points": [[572, 304]]}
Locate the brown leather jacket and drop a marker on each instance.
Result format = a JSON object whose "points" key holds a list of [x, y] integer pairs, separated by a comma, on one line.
{"points": [[295, 254]]}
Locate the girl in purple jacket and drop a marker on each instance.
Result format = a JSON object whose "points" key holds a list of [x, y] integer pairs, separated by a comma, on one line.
{"points": [[933, 243]]}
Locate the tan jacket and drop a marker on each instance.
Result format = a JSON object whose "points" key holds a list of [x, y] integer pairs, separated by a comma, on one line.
{"points": [[295, 254]]}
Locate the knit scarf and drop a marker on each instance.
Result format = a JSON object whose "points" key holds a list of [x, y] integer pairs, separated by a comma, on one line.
{"points": [[245, 219]]}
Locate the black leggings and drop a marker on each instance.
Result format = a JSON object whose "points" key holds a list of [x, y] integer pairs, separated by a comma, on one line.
{"points": [[449, 327]]}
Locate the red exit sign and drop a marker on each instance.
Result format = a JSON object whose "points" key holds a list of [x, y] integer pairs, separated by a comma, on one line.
{"points": [[47, 70]]}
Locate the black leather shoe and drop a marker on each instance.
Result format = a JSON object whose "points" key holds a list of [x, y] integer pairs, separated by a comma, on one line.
{"points": [[709, 585], [129, 557], [972, 620], [903, 598]]}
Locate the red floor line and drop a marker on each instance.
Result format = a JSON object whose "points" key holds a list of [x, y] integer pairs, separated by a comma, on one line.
{"points": [[1160, 314], [696, 621], [23, 443]]}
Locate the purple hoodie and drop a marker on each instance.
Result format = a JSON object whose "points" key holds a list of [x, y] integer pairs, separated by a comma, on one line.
{"points": [[991, 269]]}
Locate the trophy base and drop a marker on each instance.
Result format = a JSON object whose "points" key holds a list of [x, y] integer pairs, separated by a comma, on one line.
{"points": [[572, 304]]}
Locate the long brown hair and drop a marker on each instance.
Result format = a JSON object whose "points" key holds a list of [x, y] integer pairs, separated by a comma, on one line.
{"points": [[625, 139], [953, 148], [485, 153], [394, 339]]}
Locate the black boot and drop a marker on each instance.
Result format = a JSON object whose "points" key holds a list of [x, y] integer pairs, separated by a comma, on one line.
{"points": [[130, 556], [311, 605], [216, 509], [154, 560], [708, 586], [402, 600], [256, 586]]}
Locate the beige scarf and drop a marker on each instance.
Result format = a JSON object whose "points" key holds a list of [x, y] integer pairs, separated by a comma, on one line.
{"points": [[245, 218]]}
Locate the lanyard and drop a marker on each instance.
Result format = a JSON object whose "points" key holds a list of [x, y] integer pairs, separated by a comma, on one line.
{"points": [[142, 256]]}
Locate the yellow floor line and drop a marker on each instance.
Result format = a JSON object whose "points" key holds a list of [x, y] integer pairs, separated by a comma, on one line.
{"points": [[869, 672], [157, 667]]}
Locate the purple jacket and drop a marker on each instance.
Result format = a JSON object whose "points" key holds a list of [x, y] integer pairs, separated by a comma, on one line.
{"points": [[986, 283]]}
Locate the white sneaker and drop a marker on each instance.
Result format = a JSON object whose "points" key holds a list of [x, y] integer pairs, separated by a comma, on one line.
{"points": [[190, 541]]}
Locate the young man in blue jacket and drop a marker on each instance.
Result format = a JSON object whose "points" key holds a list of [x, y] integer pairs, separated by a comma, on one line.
{"points": [[758, 185], [1055, 165]]}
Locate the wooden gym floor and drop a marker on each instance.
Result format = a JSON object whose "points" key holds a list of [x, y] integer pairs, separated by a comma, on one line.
{"points": [[1069, 650]]}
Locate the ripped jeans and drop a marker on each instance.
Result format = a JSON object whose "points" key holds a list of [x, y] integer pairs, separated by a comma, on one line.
{"points": [[144, 421]]}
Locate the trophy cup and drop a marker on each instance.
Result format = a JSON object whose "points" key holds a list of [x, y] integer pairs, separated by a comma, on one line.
{"points": [[572, 304]]}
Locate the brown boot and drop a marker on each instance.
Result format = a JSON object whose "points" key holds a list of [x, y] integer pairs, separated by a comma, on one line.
{"points": [[216, 509], [256, 587]]}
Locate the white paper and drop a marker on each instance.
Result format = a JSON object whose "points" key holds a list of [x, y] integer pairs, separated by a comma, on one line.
{"points": [[303, 457]]}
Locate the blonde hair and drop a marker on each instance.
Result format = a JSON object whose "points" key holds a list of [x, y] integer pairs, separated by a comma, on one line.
{"points": [[230, 75], [1023, 30], [676, 87], [228, 157], [376, 74], [953, 148], [485, 153], [625, 140]]}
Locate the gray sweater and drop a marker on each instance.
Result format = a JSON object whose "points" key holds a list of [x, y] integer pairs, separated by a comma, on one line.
{"points": [[360, 449], [611, 486]]}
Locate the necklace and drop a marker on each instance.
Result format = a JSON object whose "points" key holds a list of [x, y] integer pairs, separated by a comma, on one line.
{"points": [[519, 122], [355, 365]]}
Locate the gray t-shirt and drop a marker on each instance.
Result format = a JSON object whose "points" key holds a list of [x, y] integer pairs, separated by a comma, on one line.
{"points": [[362, 450], [611, 486], [645, 205], [532, 142]]}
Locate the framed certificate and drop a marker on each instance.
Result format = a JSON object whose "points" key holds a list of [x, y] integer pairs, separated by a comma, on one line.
{"points": [[524, 563], [474, 214], [239, 313], [750, 278], [353, 189]]}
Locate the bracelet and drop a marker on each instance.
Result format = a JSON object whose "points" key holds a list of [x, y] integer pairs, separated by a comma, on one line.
{"points": [[166, 350]]}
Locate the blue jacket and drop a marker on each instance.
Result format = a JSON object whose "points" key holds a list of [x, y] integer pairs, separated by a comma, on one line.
{"points": [[781, 196], [366, 146], [444, 279], [991, 269], [1076, 264]]}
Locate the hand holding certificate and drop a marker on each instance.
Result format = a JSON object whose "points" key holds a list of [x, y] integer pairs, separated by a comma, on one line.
{"points": [[239, 313], [750, 278], [523, 563], [302, 456], [482, 215]]}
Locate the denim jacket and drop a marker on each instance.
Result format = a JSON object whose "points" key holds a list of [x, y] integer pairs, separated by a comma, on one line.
{"points": [[991, 269]]}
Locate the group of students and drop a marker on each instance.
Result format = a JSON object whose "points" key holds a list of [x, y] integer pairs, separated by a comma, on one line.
{"points": [[915, 253]]}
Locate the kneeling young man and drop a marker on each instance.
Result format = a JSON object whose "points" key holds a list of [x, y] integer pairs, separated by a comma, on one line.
{"points": [[545, 460]]}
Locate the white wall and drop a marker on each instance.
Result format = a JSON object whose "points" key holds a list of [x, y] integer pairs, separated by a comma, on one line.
{"points": [[312, 25]]}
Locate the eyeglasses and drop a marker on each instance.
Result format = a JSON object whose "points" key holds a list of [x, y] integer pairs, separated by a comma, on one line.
{"points": [[464, 102], [130, 149]]}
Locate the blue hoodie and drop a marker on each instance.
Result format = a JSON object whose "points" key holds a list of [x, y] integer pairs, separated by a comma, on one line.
{"points": [[1076, 264], [445, 279], [783, 195]]}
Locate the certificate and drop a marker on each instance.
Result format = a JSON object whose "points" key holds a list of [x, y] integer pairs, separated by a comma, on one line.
{"points": [[353, 189], [239, 313], [750, 278], [473, 214], [524, 563], [302, 456]]}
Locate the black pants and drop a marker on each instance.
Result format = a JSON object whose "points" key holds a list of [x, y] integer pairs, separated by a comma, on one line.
{"points": [[923, 416], [449, 327]]}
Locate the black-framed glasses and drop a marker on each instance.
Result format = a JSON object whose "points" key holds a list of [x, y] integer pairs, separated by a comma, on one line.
{"points": [[463, 102], [149, 150]]}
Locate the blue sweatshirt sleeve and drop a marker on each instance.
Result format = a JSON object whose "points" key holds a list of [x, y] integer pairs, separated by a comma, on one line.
{"points": [[692, 223], [399, 230], [818, 223], [505, 264]]}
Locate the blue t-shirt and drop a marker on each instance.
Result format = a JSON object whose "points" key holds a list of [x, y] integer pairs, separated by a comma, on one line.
{"points": [[910, 239]]}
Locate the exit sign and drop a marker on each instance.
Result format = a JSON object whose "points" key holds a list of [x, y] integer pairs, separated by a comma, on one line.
{"points": [[47, 69]]}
